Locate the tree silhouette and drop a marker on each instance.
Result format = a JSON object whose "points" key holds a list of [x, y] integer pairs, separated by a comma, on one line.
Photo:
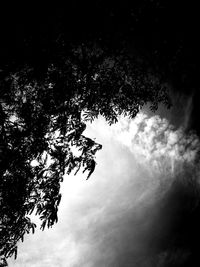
{"points": [[62, 66], [43, 118]]}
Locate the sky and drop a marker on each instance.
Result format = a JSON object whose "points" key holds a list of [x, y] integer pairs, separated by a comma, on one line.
{"points": [[140, 207], [130, 212]]}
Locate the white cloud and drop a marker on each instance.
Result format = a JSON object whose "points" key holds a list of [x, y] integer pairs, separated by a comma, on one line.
{"points": [[155, 140], [115, 218]]}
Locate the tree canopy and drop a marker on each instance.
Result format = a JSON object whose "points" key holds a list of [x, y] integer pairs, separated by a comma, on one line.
{"points": [[42, 119]]}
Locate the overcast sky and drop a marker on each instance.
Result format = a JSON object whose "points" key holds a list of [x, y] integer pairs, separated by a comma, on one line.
{"points": [[120, 217]]}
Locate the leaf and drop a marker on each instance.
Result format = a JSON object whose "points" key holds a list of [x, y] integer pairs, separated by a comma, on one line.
{"points": [[33, 228], [43, 225], [59, 199], [15, 253]]}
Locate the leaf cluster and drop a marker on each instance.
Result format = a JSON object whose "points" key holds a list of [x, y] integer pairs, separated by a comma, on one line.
{"points": [[42, 120]]}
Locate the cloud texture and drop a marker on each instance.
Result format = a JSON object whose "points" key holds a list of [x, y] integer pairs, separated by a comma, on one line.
{"points": [[133, 210]]}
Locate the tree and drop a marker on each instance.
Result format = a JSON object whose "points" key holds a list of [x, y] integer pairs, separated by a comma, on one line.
{"points": [[42, 117]]}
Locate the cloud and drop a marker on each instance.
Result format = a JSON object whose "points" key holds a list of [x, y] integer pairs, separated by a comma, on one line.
{"points": [[155, 140], [129, 213], [141, 234]]}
